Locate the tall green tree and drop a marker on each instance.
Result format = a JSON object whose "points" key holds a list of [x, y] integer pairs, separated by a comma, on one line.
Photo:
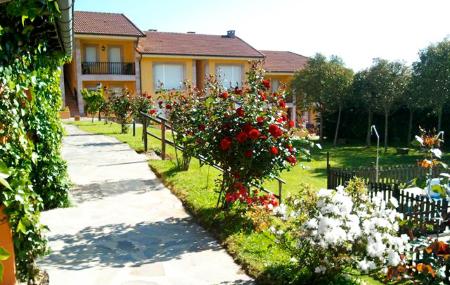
{"points": [[364, 95], [388, 81], [413, 102], [431, 76], [323, 85]]}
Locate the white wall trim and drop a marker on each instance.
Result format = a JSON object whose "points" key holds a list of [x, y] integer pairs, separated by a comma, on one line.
{"points": [[104, 37]]}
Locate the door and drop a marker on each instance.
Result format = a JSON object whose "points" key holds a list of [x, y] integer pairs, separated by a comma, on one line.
{"points": [[115, 60]]}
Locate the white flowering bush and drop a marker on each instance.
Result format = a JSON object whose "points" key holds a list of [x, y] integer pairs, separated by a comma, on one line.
{"points": [[341, 231]]}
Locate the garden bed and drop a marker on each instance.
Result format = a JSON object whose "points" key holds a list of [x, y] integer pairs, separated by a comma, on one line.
{"points": [[257, 252]]}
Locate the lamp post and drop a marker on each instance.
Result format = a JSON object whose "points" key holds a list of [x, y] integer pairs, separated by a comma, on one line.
{"points": [[374, 130]]}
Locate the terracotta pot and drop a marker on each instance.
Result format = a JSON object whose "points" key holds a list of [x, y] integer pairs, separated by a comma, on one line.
{"points": [[6, 241], [64, 114]]}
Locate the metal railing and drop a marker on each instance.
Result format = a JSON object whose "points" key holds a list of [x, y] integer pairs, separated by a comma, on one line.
{"points": [[120, 68], [165, 125]]}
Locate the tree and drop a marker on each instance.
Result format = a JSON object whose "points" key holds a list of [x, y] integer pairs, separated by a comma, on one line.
{"points": [[388, 81], [431, 76], [364, 95], [413, 101], [323, 85]]}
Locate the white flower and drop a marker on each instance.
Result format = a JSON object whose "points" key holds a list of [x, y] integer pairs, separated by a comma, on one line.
{"points": [[281, 211], [320, 269], [340, 188], [312, 224], [437, 152], [324, 193], [363, 265], [393, 258]]}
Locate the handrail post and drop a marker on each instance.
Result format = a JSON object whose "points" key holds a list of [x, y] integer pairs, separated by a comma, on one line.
{"points": [[144, 132], [280, 190], [163, 140]]}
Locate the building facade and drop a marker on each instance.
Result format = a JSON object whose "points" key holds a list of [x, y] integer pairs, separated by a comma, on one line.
{"points": [[112, 53]]}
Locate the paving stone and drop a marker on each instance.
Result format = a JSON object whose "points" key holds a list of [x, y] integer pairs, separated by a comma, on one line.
{"points": [[126, 228]]}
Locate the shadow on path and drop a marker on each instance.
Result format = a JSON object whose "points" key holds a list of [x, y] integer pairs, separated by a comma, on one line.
{"points": [[97, 191], [121, 244]]}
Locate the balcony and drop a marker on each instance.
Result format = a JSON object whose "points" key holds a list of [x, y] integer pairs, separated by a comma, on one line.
{"points": [[116, 68]]}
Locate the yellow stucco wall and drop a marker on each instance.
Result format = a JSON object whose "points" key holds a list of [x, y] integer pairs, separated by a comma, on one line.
{"points": [[128, 48], [210, 64]]}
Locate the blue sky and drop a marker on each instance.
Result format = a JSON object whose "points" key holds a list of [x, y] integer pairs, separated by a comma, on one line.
{"points": [[356, 30]]}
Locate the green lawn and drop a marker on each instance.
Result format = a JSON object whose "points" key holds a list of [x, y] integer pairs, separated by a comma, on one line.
{"points": [[256, 251]]}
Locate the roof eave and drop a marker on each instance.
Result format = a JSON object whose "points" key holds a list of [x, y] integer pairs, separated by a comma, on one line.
{"points": [[244, 57]]}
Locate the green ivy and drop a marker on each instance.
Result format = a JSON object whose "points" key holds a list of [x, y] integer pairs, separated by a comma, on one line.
{"points": [[30, 130]]}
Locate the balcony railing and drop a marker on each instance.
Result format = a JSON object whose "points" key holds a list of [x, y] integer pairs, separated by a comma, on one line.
{"points": [[121, 68]]}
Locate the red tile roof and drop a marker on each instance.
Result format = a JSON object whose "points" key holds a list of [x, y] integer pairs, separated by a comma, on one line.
{"points": [[97, 23], [283, 61], [191, 44]]}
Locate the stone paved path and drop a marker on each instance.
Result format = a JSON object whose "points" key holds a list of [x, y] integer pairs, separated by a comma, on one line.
{"points": [[126, 228]]}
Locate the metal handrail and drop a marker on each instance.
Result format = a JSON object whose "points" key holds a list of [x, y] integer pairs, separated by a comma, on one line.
{"points": [[165, 124]]}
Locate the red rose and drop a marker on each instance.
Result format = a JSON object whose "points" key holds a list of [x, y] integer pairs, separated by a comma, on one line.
{"points": [[224, 95], [274, 150], [248, 153], [201, 127], [291, 124], [168, 106], [240, 112], [266, 83], [237, 91], [290, 148], [253, 134], [282, 103], [260, 120], [275, 94], [239, 186], [225, 144], [280, 120], [226, 126], [247, 127], [263, 137], [152, 111], [284, 117], [291, 159], [275, 131], [241, 137]]}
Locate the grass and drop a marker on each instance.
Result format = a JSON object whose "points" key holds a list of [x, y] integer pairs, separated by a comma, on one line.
{"points": [[255, 251]]}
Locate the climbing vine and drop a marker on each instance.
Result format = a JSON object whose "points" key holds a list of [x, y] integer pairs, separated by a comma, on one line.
{"points": [[30, 130]]}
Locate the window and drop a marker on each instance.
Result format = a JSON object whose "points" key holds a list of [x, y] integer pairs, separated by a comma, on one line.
{"points": [[168, 76], [91, 54], [229, 76], [115, 54], [275, 85]]}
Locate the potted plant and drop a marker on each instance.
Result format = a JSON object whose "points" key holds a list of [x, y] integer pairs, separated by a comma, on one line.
{"points": [[7, 260], [64, 113]]}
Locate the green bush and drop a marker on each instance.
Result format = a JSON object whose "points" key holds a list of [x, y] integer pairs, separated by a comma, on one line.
{"points": [[30, 130], [121, 108], [93, 100]]}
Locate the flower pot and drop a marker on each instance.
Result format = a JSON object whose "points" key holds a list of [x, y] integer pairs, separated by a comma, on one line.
{"points": [[64, 114], [6, 242]]}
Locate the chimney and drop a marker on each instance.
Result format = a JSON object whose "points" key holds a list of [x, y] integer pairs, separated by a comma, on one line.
{"points": [[231, 34], [152, 30], [190, 32]]}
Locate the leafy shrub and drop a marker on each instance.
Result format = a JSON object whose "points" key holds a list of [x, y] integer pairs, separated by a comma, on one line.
{"points": [[141, 104], [94, 101], [339, 232]]}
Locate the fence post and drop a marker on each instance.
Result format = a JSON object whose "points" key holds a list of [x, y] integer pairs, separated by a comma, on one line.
{"points": [[163, 140], [144, 132], [328, 171], [134, 127], [444, 214]]}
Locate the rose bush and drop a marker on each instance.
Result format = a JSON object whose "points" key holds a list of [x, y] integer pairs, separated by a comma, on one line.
{"points": [[121, 107]]}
